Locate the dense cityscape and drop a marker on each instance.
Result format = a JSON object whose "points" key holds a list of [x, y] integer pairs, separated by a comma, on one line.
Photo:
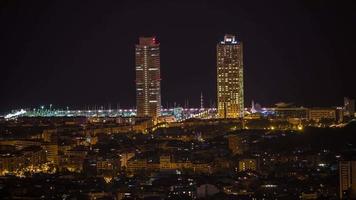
{"points": [[227, 148], [232, 152]]}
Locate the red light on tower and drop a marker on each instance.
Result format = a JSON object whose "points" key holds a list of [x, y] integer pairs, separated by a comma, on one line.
{"points": [[154, 40]]}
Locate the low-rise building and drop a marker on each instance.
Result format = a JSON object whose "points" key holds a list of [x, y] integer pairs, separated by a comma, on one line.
{"points": [[316, 114], [248, 164]]}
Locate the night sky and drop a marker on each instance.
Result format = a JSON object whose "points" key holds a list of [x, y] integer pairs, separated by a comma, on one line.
{"points": [[80, 53]]}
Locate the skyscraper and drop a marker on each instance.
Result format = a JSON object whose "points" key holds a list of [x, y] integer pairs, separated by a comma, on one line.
{"points": [[230, 90], [148, 80]]}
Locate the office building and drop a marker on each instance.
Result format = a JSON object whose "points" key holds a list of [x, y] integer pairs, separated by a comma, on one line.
{"points": [[148, 80], [230, 90], [347, 179]]}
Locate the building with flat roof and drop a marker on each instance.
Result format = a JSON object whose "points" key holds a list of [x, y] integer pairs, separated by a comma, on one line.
{"points": [[230, 89], [148, 78]]}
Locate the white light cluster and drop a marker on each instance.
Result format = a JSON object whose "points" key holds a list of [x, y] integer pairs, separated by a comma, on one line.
{"points": [[12, 115]]}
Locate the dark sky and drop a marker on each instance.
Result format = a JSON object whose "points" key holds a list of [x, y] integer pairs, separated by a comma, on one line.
{"points": [[79, 53]]}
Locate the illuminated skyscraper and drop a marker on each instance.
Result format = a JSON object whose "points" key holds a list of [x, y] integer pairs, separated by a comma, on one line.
{"points": [[230, 90], [148, 80]]}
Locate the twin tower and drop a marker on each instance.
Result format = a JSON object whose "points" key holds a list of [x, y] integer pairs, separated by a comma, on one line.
{"points": [[230, 95]]}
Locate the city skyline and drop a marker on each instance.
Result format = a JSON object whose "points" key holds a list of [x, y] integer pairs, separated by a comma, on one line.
{"points": [[167, 100], [67, 61]]}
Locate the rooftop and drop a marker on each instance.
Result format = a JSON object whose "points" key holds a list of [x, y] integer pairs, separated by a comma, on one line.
{"points": [[147, 41], [230, 39]]}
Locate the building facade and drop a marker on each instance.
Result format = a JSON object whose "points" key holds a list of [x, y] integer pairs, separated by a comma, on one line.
{"points": [[248, 164], [347, 179], [317, 114], [230, 90], [235, 144], [148, 78], [349, 107]]}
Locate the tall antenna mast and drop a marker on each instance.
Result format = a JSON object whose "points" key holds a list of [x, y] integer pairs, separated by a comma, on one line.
{"points": [[201, 101]]}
